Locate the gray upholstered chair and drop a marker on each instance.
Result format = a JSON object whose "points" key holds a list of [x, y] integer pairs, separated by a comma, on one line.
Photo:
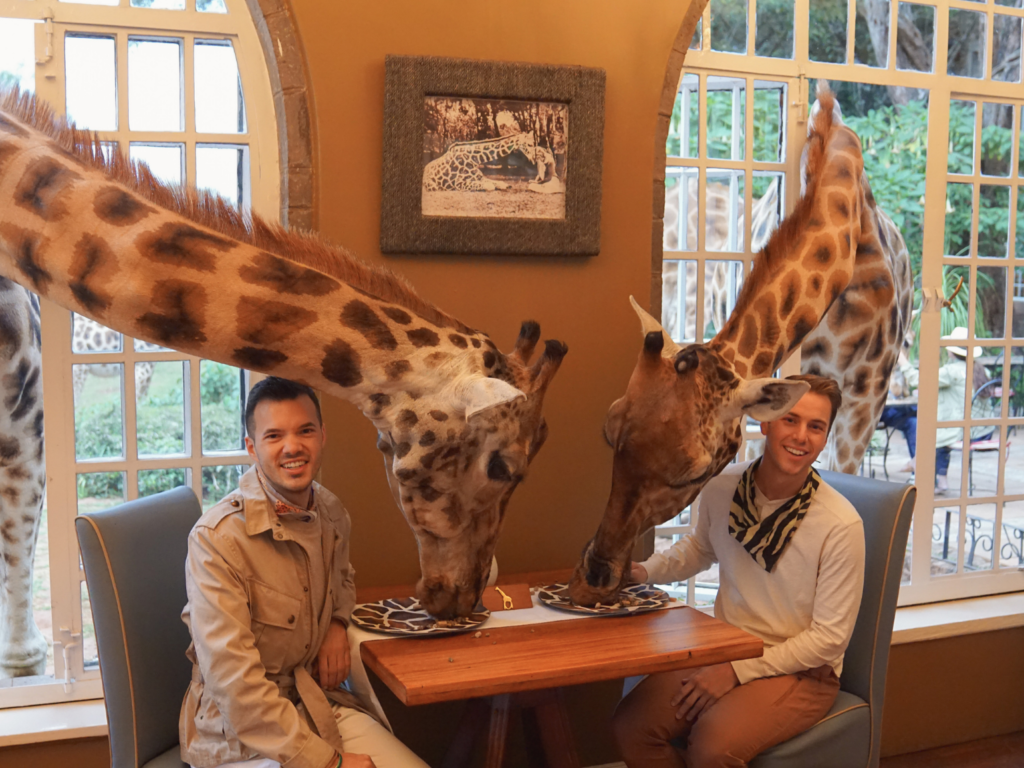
{"points": [[134, 558], [850, 735]]}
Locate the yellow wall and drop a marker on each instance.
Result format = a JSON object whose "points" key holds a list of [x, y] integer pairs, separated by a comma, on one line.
{"points": [[582, 301]]}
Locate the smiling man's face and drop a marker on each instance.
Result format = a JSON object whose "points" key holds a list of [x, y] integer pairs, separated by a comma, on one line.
{"points": [[288, 443], [793, 442]]}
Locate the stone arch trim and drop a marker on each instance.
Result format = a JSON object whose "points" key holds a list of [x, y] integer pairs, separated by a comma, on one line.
{"points": [[293, 108], [673, 70]]}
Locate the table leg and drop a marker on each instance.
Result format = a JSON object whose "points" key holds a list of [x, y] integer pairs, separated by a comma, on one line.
{"points": [[555, 732], [498, 731], [475, 717]]}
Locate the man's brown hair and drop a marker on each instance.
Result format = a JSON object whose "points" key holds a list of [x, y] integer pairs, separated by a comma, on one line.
{"points": [[823, 385]]}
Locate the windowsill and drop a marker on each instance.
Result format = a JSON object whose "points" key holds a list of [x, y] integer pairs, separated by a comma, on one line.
{"points": [[915, 623]]}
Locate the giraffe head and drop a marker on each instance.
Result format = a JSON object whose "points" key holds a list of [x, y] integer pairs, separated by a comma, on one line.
{"points": [[677, 426], [455, 456]]}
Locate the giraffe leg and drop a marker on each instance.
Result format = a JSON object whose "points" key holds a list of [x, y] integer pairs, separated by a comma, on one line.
{"points": [[143, 377], [22, 645]]}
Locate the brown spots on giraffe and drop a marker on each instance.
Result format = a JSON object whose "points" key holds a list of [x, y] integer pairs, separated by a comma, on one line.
{"points": [[405, 474], [402, 449], [118, 208], [427, 459], [436, 359], [741, 369], [396, 369], [397, 314], [11, 335], [802, 323], [837, 284], [341, 364], [407, 419], [489, 359], [428, 438], [423, 337], [43, 188], [7, 532], [475, 343], [843, 451], [851, 348], [10, 449], [257, 358], [748, 338], [265, 322], [283, 276], [458, 341], [380, 401], [358, 316], [18, 472], [183, 246], [177, 313], [877, 346], [19, 388], [820, 347], [790, 291], [12, 496], [763, 364], [93, 266], [429, 493], [838, 208], [861, 382], [770, 330], [27, 247]]}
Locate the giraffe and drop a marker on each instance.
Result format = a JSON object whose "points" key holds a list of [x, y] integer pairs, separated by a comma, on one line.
{"points": [[459, 167], [22, 479], [680, 421], [458, 421], [765, 215], [89, 336]]}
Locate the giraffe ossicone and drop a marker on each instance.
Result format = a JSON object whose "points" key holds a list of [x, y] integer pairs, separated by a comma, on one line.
{"points": [[832, 280], [458, 421]]}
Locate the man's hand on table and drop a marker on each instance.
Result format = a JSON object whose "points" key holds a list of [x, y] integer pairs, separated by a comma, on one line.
{"points": [[332, 662], [637, 573], [703, 689]]}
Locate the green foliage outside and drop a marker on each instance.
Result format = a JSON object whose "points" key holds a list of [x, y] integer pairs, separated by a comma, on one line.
{"points": [[161, 429]]}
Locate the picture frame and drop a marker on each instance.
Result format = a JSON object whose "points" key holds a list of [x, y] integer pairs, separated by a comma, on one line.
{"points": [[525, 176]]}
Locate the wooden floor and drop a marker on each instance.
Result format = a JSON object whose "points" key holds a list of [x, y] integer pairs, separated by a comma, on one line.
{"points": [[997, 752]]}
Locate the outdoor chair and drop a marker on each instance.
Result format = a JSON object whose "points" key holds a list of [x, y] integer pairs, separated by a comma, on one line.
{"points": [[134, 558], [850, 735]]}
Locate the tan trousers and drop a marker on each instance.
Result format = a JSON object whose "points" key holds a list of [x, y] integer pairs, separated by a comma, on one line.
{"points": [[742, 724]]}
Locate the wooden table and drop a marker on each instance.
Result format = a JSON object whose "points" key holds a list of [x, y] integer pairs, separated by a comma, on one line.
{"points": [[526, 666]]}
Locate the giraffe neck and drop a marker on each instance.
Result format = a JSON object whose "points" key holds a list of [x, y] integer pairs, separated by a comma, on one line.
{"points": [[495, 149], [806, 264]]}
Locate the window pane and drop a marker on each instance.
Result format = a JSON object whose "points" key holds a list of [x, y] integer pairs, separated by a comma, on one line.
{"points": [[960, 158], [160, 408], [996, 139], [680, 233], [993, 221], [684, 128], [726, 117], [827, 31], [166, 161], [158, 480], [774, 29], [768, 207], [145, 346], [219, 104], [696, 39], [679, 299], [1011, 544], [1006, 38], [723, 229], [89, 337], [729, 26], [17, 53], [154, 85], [1019, 246], [959, 206], [90, 80], [169, 5], [99, 425], [218, 482], [769, 121], [915, 37], [990, 305], [966, 52], [1017, 317], [1015, 480], [211, 6], [978, 534], [907, 559], [871, 41], [945, 535], [90, 657], [952, 390], [100, 490], [220, 398], [722, 283], [221, 170]]}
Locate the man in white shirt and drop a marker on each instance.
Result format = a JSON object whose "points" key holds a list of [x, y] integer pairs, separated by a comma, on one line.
{"points": [[790, 551]]}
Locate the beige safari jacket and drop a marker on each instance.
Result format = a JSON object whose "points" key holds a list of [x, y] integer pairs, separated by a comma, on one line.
{"points": [[256, 633]]}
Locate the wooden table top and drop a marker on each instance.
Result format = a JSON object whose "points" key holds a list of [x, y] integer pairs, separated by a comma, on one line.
{"points": [[537, 656]]}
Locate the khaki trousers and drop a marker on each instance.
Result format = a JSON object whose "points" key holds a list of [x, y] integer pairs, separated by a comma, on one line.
{"points": [[746, 721]]}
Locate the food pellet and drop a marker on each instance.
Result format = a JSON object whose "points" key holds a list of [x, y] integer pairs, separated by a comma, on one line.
{"points": [[478, 634], [451, 660]]}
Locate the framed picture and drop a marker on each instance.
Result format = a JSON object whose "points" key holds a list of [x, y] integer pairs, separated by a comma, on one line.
{"points": [[491, 157]]}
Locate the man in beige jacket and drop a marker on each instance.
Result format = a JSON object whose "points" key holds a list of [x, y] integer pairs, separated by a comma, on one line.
{"points": [[270, 592]]}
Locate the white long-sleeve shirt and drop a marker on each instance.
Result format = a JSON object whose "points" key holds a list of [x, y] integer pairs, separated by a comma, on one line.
{"points": [[804, 610]]}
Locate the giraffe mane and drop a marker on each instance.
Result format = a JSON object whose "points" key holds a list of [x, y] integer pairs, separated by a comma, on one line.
{"points": [[211, 211]]}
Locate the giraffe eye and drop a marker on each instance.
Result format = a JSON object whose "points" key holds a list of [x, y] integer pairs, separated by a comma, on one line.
{"points": [[497, 469]]}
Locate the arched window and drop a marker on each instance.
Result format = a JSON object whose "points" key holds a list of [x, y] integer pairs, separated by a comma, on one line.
{"points": [[934, 91], [183, 86]]}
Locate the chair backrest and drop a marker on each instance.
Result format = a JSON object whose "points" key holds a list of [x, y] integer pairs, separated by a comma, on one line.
{"points": [[134, 558], [886, 509]]}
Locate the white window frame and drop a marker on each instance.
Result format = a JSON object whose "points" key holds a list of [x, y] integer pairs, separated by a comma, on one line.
{"points": [[942, 88], [72, 680]]}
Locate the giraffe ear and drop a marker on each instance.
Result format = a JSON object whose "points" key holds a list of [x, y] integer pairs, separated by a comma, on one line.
{"points": [[765, 399], [649, 324], [482, 393]]}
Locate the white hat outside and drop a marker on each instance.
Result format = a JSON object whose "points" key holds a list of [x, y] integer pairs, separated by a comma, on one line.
{"points": [[960, 333]]}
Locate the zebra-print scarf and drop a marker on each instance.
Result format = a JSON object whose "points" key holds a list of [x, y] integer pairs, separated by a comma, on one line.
{"points": [[766, 540]]}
